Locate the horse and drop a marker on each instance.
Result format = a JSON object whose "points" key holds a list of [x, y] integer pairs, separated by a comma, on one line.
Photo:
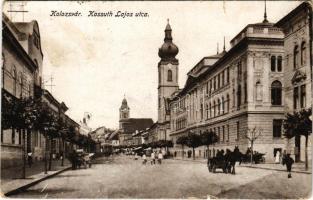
{"points": [[232, 158]]}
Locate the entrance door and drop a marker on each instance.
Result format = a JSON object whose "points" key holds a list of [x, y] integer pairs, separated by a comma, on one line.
{"points": [[297, 148]]}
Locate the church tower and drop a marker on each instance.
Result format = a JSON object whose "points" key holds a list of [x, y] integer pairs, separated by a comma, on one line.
{"points": [[124, 111], [168, 72]]}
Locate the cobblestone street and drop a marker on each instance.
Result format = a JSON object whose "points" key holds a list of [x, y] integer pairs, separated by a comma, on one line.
{"points": [[124, 177]]}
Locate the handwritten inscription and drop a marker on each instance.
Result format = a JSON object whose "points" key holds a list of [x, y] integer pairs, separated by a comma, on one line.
{"points": [[92, 13]]}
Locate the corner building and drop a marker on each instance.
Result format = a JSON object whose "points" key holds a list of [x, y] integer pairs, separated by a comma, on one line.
{"points": [[234, 91]]}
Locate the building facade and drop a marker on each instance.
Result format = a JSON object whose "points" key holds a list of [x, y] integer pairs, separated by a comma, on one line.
{"points": [[21, 76], [249, 86], [297, 27]]}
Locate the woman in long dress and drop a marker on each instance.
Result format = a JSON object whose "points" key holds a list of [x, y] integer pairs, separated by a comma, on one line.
{"points": [[277, 157]]}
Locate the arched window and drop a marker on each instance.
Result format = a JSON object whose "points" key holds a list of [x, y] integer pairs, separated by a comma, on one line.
{"points": [[258, 91], [210, 110], [245, 92], [223, 105], [276, 93], [273, 63], [279, 63], [159, 76], [303, 56], [14, 77], [30, 90], [169, 75], [228, 102], [3, 69], [239, 96], [295, 56], [218, 107]]}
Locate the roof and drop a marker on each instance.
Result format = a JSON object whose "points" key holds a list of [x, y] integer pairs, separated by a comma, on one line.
{"points": [[13, 36], [52, 99], [294, 12], [130, 125], [261, 24]]}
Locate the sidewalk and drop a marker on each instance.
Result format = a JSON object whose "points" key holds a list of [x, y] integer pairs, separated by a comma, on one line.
{"points": [[11, 180], [297, 167]]}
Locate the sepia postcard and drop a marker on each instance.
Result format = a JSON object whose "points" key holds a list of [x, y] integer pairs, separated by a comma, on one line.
{"points": [[156, 99]]}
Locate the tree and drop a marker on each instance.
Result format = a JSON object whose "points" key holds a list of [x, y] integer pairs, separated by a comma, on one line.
{"points": [[193, 141], [22, 117], [252, 135], [297, 124], [208, 138], [182, 141]]}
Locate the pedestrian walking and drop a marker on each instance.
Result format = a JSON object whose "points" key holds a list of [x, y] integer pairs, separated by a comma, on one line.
{"points": [[152, 158], [30, 159], [144, 157], [288, 161], [160, 157]]}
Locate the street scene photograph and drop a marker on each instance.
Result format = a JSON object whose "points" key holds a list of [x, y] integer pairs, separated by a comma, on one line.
{"points": [[156, 99]]}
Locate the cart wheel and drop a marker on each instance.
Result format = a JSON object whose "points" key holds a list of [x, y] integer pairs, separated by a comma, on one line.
{"points": [[214, 169]]}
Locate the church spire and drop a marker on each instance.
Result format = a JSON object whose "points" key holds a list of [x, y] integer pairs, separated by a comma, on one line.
{"points": [[265, 15], [168, 32], [168, 50]]}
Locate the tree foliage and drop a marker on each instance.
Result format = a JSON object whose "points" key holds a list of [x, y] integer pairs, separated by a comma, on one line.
{"points": [[298, 123], [209, 138]]}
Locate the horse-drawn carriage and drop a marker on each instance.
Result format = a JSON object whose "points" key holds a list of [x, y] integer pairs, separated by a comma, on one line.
{"points": [[83, 158], [227, 162]]}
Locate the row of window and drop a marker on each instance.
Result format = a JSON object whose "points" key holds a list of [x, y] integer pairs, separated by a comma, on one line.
{"points": [[181, 123], [18, 81], [217, 108], [217, 81]]}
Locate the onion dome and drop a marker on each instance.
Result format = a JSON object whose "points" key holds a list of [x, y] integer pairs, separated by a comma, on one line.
{"points": [[168, 50]]}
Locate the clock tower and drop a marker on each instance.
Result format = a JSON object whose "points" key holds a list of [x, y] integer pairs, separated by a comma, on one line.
{"points": [[124, 111]]}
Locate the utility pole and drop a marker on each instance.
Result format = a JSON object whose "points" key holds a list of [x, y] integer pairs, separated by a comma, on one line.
{"points": [[21, 10], [50, 81]]}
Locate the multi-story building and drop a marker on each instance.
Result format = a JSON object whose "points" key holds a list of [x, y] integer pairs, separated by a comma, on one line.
{"points": [[297, 27], [238, 90], [21, 76]]}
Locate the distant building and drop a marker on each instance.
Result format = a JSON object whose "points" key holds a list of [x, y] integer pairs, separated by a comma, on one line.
{"points": [[128, 126], [84, 128]]}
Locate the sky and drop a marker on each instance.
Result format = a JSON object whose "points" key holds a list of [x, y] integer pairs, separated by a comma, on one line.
{"points": [[95, 61]]}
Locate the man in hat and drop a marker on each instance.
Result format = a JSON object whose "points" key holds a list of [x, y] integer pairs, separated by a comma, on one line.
{"points": [[288, 161]]}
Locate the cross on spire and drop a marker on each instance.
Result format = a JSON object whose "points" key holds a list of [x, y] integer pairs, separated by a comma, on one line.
{"points": [[224, 45]]}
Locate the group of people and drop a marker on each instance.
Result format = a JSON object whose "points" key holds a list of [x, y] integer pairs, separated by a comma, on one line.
{"points": [[155, 156]]}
